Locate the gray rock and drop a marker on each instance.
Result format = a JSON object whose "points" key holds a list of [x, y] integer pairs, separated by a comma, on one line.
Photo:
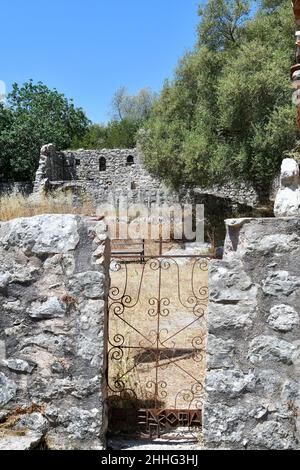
{"points": [[41, 235], [232, 383], [52, 413], [34, 422], [53, 343], [57, 368], [83, 423], [289, 172], [19, 365], [48, 150], [269, 381], [275, 243], [52, 308], [283, 318], [89, 283], [8, 389], [270, 349], [11, 441], [222, 317], [280, 283], [4, 281], [52, 340], [219, 353], [287, 203], [290, 391], [16, 269], [259, 413], [225, 426], [272, 435], [230, 283]]}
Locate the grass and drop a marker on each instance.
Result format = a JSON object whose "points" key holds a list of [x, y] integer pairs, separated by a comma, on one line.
{"points": [[13, 206]]}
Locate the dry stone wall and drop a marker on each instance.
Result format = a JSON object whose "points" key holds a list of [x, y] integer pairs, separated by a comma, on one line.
{"points": [[253, 349], [102, 176], [54, 285], [110, 175]]}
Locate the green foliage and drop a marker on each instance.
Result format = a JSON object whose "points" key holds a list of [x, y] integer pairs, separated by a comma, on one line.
{"points": [[122, 134], [95, 137], [222, 23], [134, 108], [116, 134], [129, 113], [228, 112], [35, 115]]}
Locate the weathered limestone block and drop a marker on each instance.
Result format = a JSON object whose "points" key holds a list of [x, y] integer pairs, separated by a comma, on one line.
{"points": [[280, 283], [219, 353], [18, 365], [283, 318], [8, 389], [51, 308], [264, 349], [41, 235], [287, 203], [53, 304], [232, 383], [253, 346]]}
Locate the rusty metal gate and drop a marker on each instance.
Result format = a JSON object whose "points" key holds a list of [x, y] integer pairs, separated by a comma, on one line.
{"points": [[157, 331]]}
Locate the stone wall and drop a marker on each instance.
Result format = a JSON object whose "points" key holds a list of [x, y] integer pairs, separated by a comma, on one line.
{"points": [[103, 176], [253, 377], [53, 291], [108, 175]]}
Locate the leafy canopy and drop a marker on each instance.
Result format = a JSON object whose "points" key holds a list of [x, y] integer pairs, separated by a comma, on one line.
{"points": [[32, 116], [228, 112], [129, 113]]}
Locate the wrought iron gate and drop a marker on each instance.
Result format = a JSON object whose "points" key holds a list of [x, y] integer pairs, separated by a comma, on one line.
{"points": [[156, 355]]}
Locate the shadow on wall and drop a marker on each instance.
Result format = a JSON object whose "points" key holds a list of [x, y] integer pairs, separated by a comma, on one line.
{"points": [[218, 209]]}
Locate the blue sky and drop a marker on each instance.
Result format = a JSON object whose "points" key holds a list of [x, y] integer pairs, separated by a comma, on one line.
{"points": [[89, 48]]}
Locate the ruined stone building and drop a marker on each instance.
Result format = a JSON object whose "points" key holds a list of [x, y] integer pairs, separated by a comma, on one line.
{"points": [[105, 176], [109, 175]]}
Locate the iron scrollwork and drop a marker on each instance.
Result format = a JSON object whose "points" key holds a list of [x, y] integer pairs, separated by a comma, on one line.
{"points": [[158, 350]]}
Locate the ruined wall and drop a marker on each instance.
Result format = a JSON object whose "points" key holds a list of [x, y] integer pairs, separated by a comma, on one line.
{"points": [[111, 175], [53, 291], [253, 377]]}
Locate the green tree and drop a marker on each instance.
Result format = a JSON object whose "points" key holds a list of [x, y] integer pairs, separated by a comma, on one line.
{"points": [[222, 23], [134, 108], [115, 134], [228, 112], [129, 113], [35, 115], [122, 134]]}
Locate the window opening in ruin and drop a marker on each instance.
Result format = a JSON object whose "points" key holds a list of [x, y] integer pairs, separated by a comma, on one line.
{"points": [[77, 162], [102, 164], [130, 160]]}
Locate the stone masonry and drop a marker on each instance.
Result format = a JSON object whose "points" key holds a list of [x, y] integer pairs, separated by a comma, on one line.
{"points": [[54, 284], [113, 175], [103, 176], [253, 348], [287, 202]]}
